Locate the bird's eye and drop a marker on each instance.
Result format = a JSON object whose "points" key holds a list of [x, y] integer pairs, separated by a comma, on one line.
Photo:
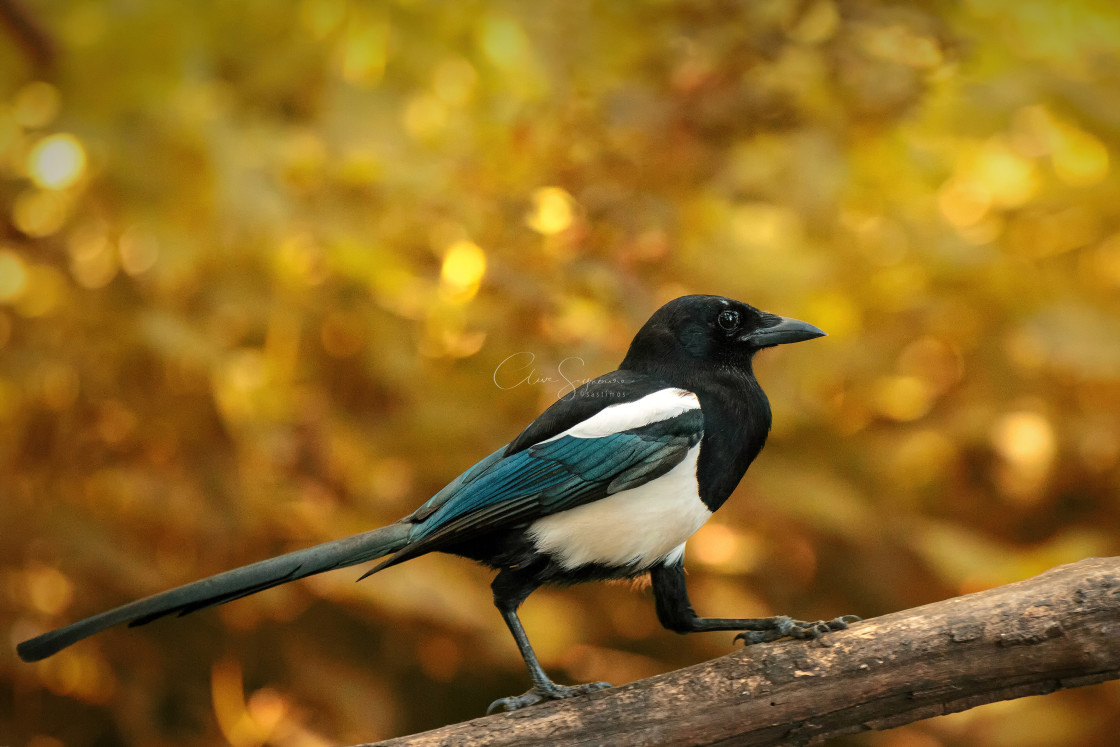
{"points": [[728, 320]]}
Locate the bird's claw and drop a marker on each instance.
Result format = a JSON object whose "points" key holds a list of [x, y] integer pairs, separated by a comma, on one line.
{"points": [[539, 694], [786, 627]]}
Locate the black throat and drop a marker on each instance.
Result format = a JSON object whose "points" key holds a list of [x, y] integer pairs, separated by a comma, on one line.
{"points": [[736, 419], [736, 422]]}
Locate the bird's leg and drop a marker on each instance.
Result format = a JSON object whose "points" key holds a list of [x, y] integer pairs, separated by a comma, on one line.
{"points": [[509, 592], [675, 612]]}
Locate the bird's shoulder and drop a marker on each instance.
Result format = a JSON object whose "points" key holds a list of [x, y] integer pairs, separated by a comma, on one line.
{"points": [[651, 398]]}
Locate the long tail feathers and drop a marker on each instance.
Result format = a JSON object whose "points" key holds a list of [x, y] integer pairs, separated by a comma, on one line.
{"points": [[226, 587]]}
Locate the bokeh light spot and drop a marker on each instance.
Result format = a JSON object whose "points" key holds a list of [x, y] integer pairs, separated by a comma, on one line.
{"points": [[321, 17], [504, 41], [454, 81], [81, 675], [920, 458], [714, 544], [425, 116], [1028, 445], [464, 264], [13, 275], [115, 422], [1101, 265], [1080, 159], [227, 693], [551, 212], [139, 250], [902, 398], [963, 202], [48, 589], [45, 289], [766, 225], [268, 708], [365, 50], [39, 213], [899, 287], [939, 364], [36, 104], [725, 548], [1009, 178], [1025, 439], [247, 370], [56, 161], [93, 263]]}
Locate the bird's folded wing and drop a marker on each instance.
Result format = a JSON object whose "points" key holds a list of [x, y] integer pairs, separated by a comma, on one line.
{"points": [[587, 462]]}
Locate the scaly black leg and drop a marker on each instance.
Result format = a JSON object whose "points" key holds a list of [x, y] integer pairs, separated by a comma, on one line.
{"points": [[510, 590], [675, 612]]}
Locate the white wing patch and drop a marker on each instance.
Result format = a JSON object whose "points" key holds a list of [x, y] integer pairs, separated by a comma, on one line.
{"points": [[638, 527], [661, 405]]}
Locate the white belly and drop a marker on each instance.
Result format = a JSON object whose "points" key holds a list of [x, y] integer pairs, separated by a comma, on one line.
{"points": [[637, 527]]}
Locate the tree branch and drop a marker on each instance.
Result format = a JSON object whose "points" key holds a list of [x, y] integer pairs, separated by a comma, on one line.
{"points": [[1058, 630]]}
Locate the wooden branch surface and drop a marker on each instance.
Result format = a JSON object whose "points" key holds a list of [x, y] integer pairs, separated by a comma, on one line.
{"points": [[1058, 630]]}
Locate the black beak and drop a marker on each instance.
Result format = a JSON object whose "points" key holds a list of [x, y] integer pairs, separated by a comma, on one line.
{"points": [[782, 331]]}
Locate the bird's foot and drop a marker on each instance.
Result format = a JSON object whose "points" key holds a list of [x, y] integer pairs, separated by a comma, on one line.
{"points": [[551, 691], [787, 627]]}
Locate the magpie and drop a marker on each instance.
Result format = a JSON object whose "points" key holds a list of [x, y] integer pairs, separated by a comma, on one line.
{"points": [[609, 482]]}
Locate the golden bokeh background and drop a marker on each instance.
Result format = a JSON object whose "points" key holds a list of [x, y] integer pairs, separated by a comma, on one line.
{"points": [[273, 273]]}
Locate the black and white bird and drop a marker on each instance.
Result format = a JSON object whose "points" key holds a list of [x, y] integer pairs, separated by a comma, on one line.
{"points": [[608, 483]]}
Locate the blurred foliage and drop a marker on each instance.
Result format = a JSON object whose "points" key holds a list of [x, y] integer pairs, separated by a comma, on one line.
{"points": [[263, 267]]}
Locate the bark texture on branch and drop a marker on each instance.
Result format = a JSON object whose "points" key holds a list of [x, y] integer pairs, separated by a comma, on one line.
{"points": [[1058, 630]]}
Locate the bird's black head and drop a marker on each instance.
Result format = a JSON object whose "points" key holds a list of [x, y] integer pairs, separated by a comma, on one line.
{"points": [[693, 330]]}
